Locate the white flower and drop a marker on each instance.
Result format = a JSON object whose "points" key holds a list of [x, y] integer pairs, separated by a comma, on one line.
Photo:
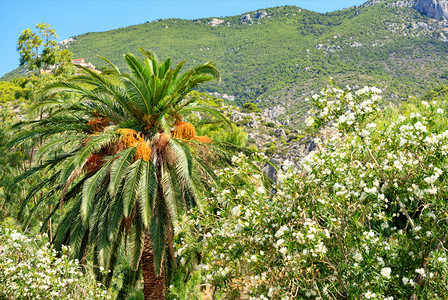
{"points": [[309, 121], [281, 231], [419, 126], [342, 119], [420, 271], [15, 236], [442, 259], [260, 190], [385, 272], [236, 211], [357, 256], [279, 243]]}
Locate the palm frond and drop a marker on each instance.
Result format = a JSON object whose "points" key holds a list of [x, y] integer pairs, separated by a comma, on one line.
{"points": [[148, 187], [50, 163], [130, 189], [182, 167], [90, 189], [95, 144], [143, 75], [169, 192], [115, 217], [62, 233], [33, 191], [200, 108], [103, 241], [158, 228], [111, 64], [118, 169], [136, 242], [77, 233], [51, 144]]}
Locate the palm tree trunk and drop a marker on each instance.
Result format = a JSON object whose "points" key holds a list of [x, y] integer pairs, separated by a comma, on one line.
{"points": [[154, 286]]}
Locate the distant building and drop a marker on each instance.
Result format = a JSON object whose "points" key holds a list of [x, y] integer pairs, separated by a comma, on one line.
{"points": [[82, 62], [79, 61], [228, 97]]}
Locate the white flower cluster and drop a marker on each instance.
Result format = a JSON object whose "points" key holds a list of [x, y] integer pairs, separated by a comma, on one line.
{"points": [[361, 216], [343, 107], [29, 269]]}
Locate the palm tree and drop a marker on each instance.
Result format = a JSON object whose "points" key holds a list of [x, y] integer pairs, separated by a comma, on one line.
{"points": [[123, 160]]}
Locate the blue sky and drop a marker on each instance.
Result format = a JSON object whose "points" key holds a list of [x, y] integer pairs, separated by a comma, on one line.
{"points": [[71, 18]]}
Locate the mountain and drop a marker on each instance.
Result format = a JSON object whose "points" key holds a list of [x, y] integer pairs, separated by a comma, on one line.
{"points": [[437, 9], [278, 56]]}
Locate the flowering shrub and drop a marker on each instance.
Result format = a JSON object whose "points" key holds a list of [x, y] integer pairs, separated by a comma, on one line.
{"points": [[363, 217], [347, 109], [29, 269]]}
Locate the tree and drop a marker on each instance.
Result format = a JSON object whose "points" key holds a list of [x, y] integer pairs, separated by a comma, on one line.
{"points": [[123, 173], [30, 46]]}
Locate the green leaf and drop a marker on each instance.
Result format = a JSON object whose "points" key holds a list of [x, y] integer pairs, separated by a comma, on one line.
{"points": [[148, 188], [136, 243], [91, 188], [95, 144], [158, 229], [131, 186], [118, 169]]}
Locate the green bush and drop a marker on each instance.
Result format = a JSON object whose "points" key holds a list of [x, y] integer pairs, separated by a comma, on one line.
{"points": [[30, 269], [250, 107], [363, 217]]}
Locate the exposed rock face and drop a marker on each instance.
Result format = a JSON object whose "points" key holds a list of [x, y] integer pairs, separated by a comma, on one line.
{"points": [[245, 19], [65, 42], [273, 112], [271, 172], [260, 14], [215, 22], [409, 3], [280, 132], [436, 9], [253, 123]]}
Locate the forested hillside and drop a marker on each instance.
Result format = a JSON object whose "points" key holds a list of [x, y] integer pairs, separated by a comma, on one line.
{"points": [[280, 54]]}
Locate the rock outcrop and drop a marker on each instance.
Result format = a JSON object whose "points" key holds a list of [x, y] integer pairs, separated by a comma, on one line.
{"points": [[260, 14], [436, 9], [245, 19], [216, 22]]}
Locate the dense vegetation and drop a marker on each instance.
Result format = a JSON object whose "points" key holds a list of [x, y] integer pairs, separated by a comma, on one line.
{"points": [[281, 57], [30, 269], [363, 217], [114, 186]]}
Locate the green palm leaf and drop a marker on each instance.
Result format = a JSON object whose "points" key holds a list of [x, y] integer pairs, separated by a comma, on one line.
{"points": [[95, 144], [130, 189], [118, 169], [136, 241], [90, 189], [148, 187], [158, 228]]}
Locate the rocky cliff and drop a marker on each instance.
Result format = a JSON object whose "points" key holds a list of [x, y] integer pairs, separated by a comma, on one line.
{"points": [[436, 9]]}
